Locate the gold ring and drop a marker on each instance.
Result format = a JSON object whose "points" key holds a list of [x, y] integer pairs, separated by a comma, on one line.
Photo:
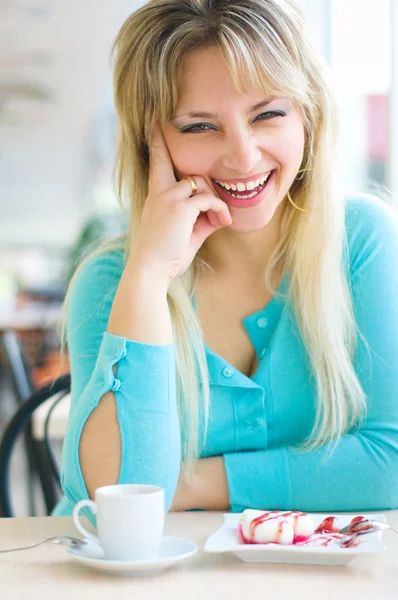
{"points": [[193, 184]]}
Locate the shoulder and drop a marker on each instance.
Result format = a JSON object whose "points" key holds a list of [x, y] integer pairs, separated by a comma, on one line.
{"points": [[99, 270], [367, 210], [371, 228], [94, 285]]}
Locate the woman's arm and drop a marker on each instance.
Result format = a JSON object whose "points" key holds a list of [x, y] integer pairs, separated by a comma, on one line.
{"points": [[134, 434], [139, 312], [207, 490]]}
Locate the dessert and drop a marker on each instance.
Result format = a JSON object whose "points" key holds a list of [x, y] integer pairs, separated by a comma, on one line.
{"points": [[275, 527], [293, 528]]}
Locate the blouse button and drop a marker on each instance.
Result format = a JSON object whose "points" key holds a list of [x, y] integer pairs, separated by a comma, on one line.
{"points": [[227, 372], [261, 322], [116, 385]]}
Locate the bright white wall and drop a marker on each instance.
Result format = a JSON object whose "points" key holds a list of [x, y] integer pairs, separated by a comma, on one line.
{"points": [[354, 38], [44, 169], [317, 16]]}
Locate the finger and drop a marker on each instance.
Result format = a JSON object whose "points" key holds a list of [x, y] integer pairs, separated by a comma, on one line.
{"points": [[161, 170], [203, 229], [203, 185], [208, 202], [206, 224], [184, 189], [214, 219]]}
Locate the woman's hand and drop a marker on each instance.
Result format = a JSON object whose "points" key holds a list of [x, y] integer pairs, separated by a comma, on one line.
{"points": [[175, 224]]}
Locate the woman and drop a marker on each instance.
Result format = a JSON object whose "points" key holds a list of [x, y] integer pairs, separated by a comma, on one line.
{"points": [[239, 347]]}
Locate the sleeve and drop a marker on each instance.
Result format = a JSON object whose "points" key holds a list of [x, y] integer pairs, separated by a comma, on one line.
{"points": [[141, 376], [362, 472]]}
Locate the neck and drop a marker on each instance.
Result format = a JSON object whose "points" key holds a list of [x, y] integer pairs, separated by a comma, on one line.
{"points": [[233, 253]]}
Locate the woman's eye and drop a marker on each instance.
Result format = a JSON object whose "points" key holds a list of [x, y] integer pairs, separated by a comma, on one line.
{"points": [[197, 128], [265, 116], [202, 127]]}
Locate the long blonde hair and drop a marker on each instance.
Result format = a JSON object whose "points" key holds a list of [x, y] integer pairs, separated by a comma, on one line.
{"points": [[267, 41]]}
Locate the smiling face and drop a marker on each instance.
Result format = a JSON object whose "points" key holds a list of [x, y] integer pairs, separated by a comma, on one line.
{"points": [[243, 141]]}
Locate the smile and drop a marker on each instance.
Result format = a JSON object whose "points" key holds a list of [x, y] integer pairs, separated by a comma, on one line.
{"points": [[244, 194], [252, 185]]}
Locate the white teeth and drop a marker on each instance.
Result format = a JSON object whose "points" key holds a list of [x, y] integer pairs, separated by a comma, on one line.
{"points": [[244, 197], [241, 187]]}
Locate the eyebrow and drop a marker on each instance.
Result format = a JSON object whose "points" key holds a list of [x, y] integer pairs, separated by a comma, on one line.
{"points": [[208, 115]]}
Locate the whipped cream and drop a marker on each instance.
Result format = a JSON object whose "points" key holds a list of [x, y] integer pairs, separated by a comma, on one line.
{"points": [[277, 527]]}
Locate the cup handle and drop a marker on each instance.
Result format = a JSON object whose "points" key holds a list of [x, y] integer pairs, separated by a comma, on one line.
{"points": [[76, 519]]}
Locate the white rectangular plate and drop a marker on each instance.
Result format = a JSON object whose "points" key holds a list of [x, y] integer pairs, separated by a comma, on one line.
{"points": [[225, 539]]}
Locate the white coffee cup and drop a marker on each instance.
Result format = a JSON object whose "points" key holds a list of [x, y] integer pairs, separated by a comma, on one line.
{"points": [[130, 520]]}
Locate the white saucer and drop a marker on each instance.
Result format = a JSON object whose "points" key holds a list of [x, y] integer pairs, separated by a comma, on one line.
{"points": [[172, 550]]}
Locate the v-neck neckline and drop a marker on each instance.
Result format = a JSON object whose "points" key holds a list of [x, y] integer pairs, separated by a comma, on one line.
{"points": [[275, 301]]}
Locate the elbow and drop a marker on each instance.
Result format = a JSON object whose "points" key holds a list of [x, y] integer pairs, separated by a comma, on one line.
{"points": [[380, 482], [384, 489], [378, 477], [100, 446], [92, 452]]}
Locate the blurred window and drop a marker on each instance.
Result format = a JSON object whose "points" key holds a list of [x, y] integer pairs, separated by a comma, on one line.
{"points": [[360, 62]]}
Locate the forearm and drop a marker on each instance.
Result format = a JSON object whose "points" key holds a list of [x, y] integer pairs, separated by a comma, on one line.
{"points": [[207, 489], [140, 309], [361, 474]]}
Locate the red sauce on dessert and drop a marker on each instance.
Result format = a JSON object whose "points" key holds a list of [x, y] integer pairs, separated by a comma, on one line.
{"points": [[327, 526], [325, 534], [359, 524], [270, 516]]}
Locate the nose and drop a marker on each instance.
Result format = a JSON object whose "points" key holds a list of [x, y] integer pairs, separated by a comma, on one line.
{"points": [[242, 153]]}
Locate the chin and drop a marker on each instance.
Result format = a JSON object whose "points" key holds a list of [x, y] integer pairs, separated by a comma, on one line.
{"points": [[244, 223]]}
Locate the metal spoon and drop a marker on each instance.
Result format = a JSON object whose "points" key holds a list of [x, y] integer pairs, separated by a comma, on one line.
{"points": [[361, 528], [61, 540], [368, 526]]}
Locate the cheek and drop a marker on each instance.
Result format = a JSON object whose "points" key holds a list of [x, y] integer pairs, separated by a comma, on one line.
{"points": [[188, 157], [294, 145], [287, 145]]}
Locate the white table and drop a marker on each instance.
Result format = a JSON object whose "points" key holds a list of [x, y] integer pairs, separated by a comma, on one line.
{"points": [[48, 572]]}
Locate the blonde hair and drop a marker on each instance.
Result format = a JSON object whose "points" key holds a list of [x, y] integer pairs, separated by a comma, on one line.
{"points": [[267, 42]]}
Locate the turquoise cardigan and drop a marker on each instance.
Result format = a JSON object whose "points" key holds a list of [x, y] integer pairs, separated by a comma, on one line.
{"points": [[255, 423]]}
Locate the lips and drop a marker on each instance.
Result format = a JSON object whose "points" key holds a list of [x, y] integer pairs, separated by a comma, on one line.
{"points": [[245, 199], [244, 185]]}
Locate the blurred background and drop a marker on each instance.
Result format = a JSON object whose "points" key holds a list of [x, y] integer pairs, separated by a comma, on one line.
{"points": [[57, 136]]}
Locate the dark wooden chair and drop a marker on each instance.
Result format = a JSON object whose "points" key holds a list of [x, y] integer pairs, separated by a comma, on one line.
{"points": [[42, 453]]}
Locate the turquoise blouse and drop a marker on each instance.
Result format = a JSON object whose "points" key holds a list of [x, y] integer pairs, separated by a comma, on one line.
{"points": [[255, 423]]}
